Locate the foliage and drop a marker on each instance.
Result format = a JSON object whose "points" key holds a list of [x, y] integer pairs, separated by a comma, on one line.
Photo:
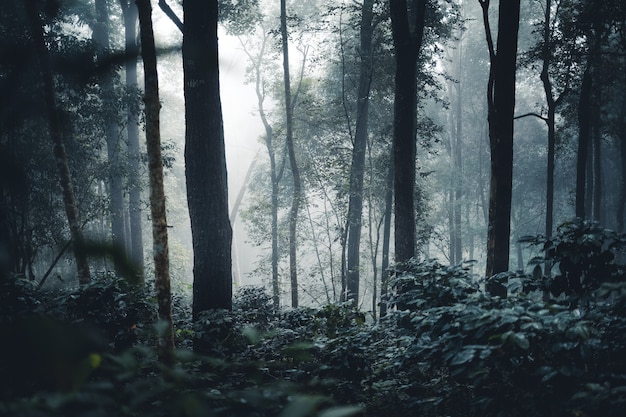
{"points": [[428, 284], [449, 350], [583, 256]]}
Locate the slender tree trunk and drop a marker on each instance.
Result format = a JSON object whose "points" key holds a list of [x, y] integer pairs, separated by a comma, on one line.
{"points": [[129, 10], [386, 241], [621, 200], [597, 157], [157, 191], [458, 161], [584, 123], [295, 172], [55, 127], [501, 107], [276, 172], [101, 37], [551, 121], [355, 202], [407, 39], [205, 160]]}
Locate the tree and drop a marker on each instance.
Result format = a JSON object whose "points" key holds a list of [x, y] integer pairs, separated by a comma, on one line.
{"points": [[205, 160], [407, 22], [129, 11], [276, 169], [115, 180], [501, 107], [56, 132], [357, 170], [157, 193], [295, 172]]}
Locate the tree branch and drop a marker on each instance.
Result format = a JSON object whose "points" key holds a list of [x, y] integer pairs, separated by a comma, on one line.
{"points": [[170, 13], [545, 119]]}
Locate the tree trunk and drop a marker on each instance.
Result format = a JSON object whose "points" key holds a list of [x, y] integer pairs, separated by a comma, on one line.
{"points": [[551, 121], [157, 192], [116, 196], [458, 161], [621, 200], [355, 203], [276, 172], [597, 157], [407, 39], [386, 241], [295, 172], [205, 160], [129, 10], [501, 107], [584, 105], [55, 127]]}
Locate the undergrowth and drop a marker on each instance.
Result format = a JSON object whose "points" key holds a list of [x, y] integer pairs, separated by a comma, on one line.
{"points": [[445, 348]]}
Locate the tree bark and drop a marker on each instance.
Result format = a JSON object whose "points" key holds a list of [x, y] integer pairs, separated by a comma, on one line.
{"points": [[55, 127], [295, 172], [501, 107], [205, 160], [157, 192], [407, 40], [386, 241], [355, 202], [129, 10]]}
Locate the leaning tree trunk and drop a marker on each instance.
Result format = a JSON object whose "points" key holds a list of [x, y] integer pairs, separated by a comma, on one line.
{"points": [[295, 172], [407, 40], [205, 160], [501, 107], [56, 134], [157, 192], [355, 202]]}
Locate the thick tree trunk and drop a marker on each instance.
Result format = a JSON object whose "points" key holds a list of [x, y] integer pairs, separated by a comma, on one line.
{"points": [[407, 39], [205, 160], [295, 172], [501, 106], [355, 202], [56, 134], [129, 10], [157, 192]]}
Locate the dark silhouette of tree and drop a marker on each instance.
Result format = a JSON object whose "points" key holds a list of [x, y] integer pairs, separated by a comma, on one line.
{"points": [[501, 107], [407, 22], [205, 160]]}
